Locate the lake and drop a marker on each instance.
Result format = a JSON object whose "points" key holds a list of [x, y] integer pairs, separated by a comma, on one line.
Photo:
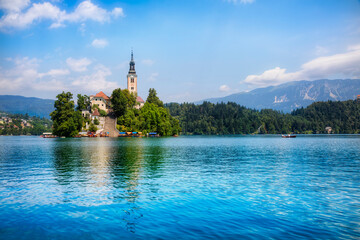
{"points": [[196, 187]]}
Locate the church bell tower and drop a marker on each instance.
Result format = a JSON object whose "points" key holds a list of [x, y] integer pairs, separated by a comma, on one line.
{"points": [[132, 77]]}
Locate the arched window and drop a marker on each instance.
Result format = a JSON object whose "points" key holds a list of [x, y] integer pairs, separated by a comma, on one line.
{"points": [[132, 80]]}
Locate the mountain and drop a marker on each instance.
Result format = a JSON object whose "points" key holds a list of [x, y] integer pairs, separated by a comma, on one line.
{"points": [[289, 96], [30, 105]]}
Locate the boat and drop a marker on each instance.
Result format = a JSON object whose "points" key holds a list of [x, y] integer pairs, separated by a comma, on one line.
{"points": [[288, 136], [92, 134], [153, 134], [48, 135]]}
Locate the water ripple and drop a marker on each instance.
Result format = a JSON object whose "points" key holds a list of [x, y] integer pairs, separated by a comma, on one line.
{"points": [[186, 188]]}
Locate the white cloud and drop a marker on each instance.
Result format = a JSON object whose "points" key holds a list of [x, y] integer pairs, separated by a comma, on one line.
{"points": [[99, 43], [86, 10], [224, 88], [37, 12], [272, 77], [240, 1], [78, 65], [24, 77], [55, 72], [95, 81], [14, 5], [117, 12], [346, 65], [147, 62], [153, 77]]}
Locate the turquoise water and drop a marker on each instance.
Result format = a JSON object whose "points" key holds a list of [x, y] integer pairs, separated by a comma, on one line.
{"points": [[235, 187]]}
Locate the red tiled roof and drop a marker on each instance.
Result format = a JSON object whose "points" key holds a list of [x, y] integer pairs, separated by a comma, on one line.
{"points": [[96, 112], [139, 99], [101, 94]]}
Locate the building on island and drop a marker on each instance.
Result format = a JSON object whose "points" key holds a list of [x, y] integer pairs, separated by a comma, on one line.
{"points": [[102, 100], [328, 130], [95, 114], [358, 98], [140, 102]]}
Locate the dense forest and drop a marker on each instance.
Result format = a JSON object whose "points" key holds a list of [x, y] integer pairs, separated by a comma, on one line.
{"points": [[207, 118], [23, 124], [231, 118]]}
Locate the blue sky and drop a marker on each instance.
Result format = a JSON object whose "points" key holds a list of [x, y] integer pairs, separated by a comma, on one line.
{"points": [[186, 50]]}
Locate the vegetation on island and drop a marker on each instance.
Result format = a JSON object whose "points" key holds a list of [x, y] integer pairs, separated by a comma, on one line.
{"points": [[23, 124], [68, 121], [231, 118], [152, 117]]}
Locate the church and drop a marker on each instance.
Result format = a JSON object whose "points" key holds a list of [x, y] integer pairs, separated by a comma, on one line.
{"points": [[103, 101], [132, 82]]}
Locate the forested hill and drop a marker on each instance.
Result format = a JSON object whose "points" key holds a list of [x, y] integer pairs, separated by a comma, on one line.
{"points": [[26, 105], [231, 118]]}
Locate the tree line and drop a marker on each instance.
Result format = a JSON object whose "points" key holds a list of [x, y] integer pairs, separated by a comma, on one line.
{"points": [[231, 118]]}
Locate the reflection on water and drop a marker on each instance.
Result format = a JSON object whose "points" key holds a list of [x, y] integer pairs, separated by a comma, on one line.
{"points": [[186, 187], [106, 171]]}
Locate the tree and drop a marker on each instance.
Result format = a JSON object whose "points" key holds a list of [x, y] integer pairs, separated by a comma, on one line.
{"points": [[83, 102], [92, 128], [119, 102], [130, 97], [66, 121], [102, 113], [96, 121], [153, 98], [158, 119]]}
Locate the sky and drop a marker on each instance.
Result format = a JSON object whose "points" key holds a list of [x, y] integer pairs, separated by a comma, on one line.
{"points": [[187, 50]]}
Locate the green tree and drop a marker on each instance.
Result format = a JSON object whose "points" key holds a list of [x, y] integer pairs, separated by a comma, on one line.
{"points": [[102, 113], [131, 98], [119, 102], [158, 119], [153, 98], [66, 121], [83, 102], [96, 121], [92, 128]]}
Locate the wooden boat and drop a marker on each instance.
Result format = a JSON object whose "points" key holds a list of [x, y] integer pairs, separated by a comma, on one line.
{"points": [[92, 134], [288, 136], [153, 134], [104, 134], [48, 135]]}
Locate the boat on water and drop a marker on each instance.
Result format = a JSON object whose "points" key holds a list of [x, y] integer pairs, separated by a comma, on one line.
{"points": [[48, 135], [288, 136]]}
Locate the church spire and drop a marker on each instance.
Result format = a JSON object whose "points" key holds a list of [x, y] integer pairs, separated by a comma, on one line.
{"points": [[132, 77], [132, 63]]}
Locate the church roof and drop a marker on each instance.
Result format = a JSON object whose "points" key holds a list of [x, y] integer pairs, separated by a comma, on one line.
{"points": [[96, 112], [101, 94], [139, 99]]}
